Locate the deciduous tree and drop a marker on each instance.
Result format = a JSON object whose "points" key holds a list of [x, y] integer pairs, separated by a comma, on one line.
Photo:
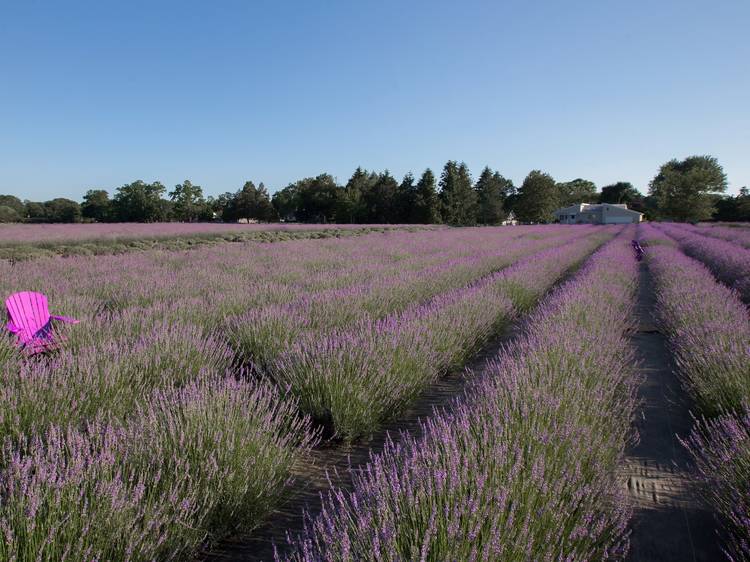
{"points": [[577, 191], [684, 189], [12, 202], [96, 205], [62, 210], [140, 202], [537, 198], [188, 200]]}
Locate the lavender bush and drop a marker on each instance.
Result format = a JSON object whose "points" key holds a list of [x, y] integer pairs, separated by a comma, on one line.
{"points": [[155, 488], [729, 262], [709, 330], [720, 448], [734, 234], [354, 379], [25, 241], [142, 438], [523, 468], [707, 325]]}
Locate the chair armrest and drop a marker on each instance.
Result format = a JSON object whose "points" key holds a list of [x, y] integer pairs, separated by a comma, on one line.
{"points": [[65, 319]]}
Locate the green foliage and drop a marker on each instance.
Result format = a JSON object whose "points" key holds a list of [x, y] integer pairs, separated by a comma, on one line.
{"points": [[250, 203], [381, 201], [309, 200], [140, 202], [458, 198], [8, 214], [577, 191], [352, 205], [426, 206], [35, 211], [620, 192], [12, 202], [96, 205], [683, 189], [492, 190], [407, 194], [735, 208], [189, 204], [537, 198], [62, 210]]}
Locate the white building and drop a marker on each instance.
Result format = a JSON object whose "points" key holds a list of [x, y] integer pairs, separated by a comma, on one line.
{"points": [[510, 220], [603, 213]]}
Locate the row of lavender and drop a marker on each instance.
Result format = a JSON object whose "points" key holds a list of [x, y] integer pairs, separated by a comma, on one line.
{"points": [[118, 356], [144, 438], [523, 468], [737, 234], [354, 377], [69, 233], [709, 332], [730, 262]]}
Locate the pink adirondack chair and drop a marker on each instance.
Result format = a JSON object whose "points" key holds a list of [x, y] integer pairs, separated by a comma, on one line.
{"points": [[30, 321]]}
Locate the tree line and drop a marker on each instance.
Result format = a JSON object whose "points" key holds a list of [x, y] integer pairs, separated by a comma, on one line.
{"points": [[687, 190]]}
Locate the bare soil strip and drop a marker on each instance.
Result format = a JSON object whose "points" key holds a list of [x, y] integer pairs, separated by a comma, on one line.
{"points": [[669, 521]]}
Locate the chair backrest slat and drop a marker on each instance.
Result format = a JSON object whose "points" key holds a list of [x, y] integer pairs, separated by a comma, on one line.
{"points": [[29, 311]]}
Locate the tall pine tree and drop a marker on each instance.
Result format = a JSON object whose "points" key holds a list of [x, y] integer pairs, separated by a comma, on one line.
{"points": [[406, 197], [352, 208], [426, 207], [492, 190], [458, 198]]}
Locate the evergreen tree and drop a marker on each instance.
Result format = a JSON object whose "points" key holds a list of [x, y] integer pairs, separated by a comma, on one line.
{"points": [[426, 207], [537, 198], [251, 203], [352, 206], [381, 201], [458, 198], [492, 190], [405, 199]]}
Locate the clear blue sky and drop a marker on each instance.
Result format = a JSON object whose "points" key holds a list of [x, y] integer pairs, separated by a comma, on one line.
{"points": [[97, 94]]}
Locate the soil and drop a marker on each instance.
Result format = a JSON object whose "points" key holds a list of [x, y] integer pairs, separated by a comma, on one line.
{"points": [[669, 522]]}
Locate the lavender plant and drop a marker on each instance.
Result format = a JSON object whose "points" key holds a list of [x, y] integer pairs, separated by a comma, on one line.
{"points": [[196, 462], [707, 325], [729, 262], [720, 448], [523, 468], [709, 330], [354, 379]]}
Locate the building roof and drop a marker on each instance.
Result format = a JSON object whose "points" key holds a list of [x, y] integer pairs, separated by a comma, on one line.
{"points": [[593, 208]]}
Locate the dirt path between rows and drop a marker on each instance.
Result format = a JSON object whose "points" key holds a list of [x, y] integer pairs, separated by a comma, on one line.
{"points": [[337, 457], [669, 522]]}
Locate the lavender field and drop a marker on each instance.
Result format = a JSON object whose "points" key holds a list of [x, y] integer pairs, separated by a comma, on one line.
{"points": [[20, 241], [200, 387]]}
